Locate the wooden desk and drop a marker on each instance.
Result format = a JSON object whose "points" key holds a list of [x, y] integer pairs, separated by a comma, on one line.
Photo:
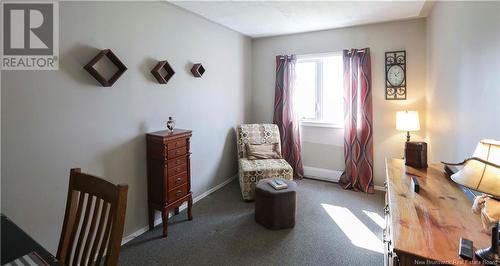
{"points": [[425, 228], [16, 243]]}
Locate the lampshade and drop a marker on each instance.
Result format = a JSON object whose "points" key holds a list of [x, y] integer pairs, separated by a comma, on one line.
{"points": [[479, 175], [407, 121]]}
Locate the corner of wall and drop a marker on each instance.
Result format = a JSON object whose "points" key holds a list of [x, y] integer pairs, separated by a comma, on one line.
{"points": [[428, 83]]}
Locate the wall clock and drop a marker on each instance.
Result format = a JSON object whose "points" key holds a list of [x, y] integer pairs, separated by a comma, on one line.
{"points": [[395, 75]]}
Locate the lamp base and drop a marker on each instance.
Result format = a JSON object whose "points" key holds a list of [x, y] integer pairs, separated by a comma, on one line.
{"points": [[491, 255], [488, 256]]}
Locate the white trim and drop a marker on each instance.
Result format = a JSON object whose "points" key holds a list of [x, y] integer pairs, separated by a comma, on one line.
{"points": [[318, 55], [310, 123], [322, 174], [182, 207], [212, 190], [380, 188]]}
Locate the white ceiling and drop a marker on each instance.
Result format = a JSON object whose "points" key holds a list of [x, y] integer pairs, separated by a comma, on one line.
{"points": [[267, 18]]}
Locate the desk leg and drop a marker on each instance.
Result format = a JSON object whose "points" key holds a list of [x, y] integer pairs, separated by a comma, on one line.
{"points": [[151, 214], [164, 218], [190, 206]]}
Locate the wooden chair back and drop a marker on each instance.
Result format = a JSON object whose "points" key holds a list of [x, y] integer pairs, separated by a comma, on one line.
{"points": [[93, 221]]}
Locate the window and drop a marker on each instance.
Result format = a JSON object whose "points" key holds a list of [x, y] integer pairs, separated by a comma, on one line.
{"points": [[319, 85]]}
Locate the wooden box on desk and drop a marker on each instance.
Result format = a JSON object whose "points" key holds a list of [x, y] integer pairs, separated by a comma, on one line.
{"points": [[169, 173], [425, 228], [416, 154]]}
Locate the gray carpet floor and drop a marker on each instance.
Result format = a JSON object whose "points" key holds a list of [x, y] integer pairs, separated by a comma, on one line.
{"points": [[333, 227]]}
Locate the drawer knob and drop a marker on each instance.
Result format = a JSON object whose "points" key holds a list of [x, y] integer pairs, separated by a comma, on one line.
{"points": [[178, 180], [177, 152], [178, 169], [178, 193], [177, 161]]}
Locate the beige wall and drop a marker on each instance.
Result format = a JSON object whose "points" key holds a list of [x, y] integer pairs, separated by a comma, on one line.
{"points": [[464, 77], [406, 35], [55, 120]]}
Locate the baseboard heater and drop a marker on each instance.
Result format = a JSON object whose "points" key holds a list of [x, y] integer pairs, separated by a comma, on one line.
{"points": [[322, 174]]}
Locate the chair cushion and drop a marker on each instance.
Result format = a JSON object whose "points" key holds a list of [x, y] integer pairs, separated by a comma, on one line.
{"points": [[262, 151], [251, 171], [268, 166]]}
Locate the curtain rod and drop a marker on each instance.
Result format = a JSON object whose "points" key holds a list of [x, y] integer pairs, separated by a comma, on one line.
{"points": [[292, 56]]}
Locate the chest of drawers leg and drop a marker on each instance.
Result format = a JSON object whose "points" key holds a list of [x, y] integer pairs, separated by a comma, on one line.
{"points": [[168, 174]]}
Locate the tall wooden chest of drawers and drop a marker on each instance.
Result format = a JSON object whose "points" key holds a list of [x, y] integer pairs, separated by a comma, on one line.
{"points": [[169, 173]]}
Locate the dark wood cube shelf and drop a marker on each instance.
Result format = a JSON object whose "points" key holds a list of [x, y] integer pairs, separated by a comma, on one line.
{"points": [[114, 59], [168, 69], [197, 70]]}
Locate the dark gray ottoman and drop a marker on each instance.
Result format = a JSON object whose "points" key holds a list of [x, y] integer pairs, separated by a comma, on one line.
{"points": [[275, 209]]}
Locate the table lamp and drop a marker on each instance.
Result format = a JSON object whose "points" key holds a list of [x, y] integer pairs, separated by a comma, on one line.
{"points": [[481, 172], [407, 121]]}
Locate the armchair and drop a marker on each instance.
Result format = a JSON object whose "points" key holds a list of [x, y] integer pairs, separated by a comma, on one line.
{"points": [[251, 171]]}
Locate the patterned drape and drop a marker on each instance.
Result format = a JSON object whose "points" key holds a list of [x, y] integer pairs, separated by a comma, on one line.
{"points": [[358, 119], [284, 115]]}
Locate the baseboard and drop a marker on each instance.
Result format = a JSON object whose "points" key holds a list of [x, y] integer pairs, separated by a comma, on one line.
{"points": [[328, 175], [322, 174], [182, 207]]}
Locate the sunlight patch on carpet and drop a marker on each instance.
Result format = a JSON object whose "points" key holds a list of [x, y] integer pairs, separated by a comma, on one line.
{"points": [[376, 218], [359, 234]]}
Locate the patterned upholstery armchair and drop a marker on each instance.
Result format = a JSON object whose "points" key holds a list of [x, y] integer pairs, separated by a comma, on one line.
{"points": [[251, 171]]}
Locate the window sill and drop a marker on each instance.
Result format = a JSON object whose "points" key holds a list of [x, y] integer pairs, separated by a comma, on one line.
{"points": [[320, 124]]}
